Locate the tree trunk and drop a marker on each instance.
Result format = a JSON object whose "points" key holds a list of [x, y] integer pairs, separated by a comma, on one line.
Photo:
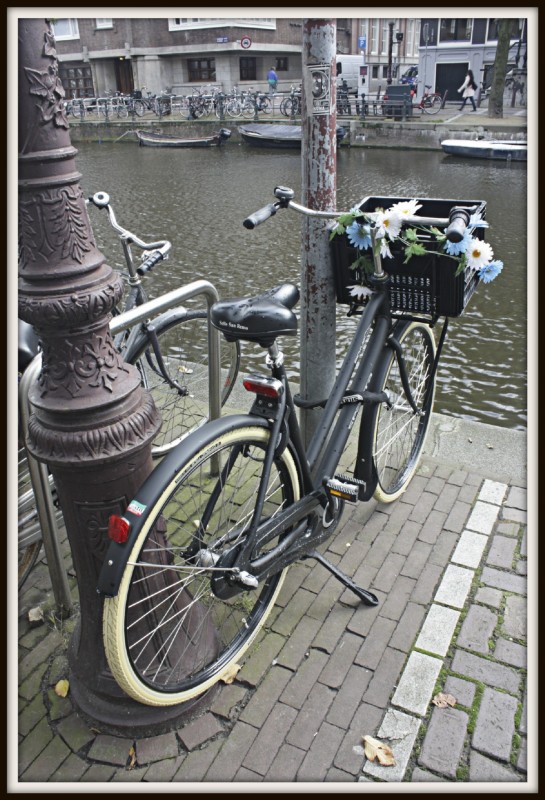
{"points": [[495, 101]]}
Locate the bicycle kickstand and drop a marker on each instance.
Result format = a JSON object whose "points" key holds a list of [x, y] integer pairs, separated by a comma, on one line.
{"points": [[365, 596]]}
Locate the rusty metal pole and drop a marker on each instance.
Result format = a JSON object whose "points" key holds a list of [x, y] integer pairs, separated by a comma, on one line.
{"points": [[318, 168], [91, 421]]}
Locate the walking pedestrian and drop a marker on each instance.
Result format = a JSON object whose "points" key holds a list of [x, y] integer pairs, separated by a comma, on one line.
{"points": [[468, 89], [272, 80]]}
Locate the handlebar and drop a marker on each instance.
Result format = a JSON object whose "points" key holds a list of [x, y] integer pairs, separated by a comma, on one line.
{"points": [[160, 248], [455, 224]]}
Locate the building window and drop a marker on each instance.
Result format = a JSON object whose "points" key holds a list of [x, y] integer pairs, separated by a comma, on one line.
{"points": [[65, 29], [374, 37], [104, 23], [492, 35], [455, 30], [412, 37], [202, 69], [248, 69], [77, 79], [282, 64], [187, 23], [384, 38]]}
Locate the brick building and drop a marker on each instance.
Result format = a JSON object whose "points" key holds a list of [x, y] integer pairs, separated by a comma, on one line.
{"points": [[117, 54]]}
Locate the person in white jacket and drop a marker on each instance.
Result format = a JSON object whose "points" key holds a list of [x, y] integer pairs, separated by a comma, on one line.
{"points": [[468, 89]]}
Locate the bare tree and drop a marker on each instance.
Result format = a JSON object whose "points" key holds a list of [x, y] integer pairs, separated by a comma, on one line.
{"points": [[495, 101]]}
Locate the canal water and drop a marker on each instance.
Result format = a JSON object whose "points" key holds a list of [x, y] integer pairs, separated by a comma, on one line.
{"points": [[198, 199]]}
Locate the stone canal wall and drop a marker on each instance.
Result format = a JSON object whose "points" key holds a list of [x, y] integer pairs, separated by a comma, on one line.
{"points": [[409, 135]]}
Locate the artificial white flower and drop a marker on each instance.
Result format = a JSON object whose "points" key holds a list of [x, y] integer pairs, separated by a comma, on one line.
{"points": [[406, 208], [359, 291], [388, 223], [385, 249], [478, 253]]}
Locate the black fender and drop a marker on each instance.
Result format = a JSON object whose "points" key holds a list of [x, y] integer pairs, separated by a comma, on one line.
{"points": [[149, 493]]}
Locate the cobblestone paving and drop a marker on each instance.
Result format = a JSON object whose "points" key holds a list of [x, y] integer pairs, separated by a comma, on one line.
{"points": [[448, 562]]}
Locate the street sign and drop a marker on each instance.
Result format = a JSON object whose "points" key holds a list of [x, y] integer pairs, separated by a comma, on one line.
{"points": [[245, 42], [362, 42]]}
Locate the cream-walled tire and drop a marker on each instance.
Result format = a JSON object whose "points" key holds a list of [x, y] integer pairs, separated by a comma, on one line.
{"points": [[196, 611]]}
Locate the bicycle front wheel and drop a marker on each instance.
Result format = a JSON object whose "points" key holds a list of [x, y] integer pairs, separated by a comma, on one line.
{"points": [[168, 636], [396, 432], [432, 104], [183, 343]]}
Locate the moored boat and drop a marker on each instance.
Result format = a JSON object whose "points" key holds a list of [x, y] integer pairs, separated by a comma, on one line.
{"points": [[156, 139], [505, 149], [264, 135]]}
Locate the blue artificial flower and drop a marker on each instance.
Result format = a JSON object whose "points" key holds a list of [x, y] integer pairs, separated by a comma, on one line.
{"points": [[490, 271], [476, 221], [457, 248], [359, 235]]}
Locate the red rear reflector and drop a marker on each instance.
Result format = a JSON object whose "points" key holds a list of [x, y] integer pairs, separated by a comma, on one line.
{"points": [[118, 529], [268, 387]]}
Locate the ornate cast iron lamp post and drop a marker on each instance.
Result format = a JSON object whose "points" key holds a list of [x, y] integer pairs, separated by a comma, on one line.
{"points": [[91, 422]]}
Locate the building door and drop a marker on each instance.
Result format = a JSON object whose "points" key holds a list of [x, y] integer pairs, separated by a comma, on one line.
{"points": [[450, 77], [248, 68], [124, 80]]}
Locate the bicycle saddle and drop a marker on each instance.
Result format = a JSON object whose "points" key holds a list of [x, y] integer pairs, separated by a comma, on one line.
{"points": [[258, 319]]}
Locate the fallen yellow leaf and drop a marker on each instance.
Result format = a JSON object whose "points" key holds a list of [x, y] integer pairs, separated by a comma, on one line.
{"points": [[231, 673], [443, 700], [132, 755], [62, 688], [376, 749]]}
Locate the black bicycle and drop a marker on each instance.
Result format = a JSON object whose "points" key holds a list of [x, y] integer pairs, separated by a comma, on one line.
{"points": [[256, 102], [170, 351], [198, 559]]}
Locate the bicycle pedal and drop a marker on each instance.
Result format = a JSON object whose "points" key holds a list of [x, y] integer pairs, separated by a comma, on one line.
{"points": [[342, 488]]}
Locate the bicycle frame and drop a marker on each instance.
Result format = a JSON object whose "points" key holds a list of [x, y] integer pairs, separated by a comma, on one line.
{"points": [[319, 462]]}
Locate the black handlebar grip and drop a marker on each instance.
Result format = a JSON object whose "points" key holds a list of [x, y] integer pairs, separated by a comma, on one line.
{"points": [[458, 221], [150, 262], [260, 216]]}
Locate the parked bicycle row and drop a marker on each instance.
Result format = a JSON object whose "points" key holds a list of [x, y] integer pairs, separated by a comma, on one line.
{"points": [[201, 103]]}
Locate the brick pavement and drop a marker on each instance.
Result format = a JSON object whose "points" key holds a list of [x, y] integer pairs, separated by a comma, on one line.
{"points": [[448, 562]]}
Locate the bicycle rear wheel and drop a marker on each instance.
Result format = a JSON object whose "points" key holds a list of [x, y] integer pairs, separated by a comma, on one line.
{"points": [[139, 108], [183, 342], [248, 110], [233, 108], [290, 107], [168, 636], [432, 104], [396, 435]]}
